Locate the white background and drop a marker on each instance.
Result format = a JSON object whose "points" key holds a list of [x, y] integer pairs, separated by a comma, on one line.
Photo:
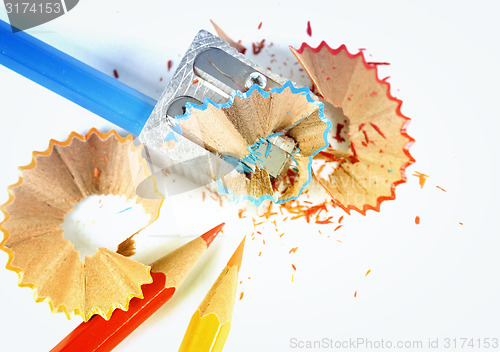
{"points": [[434, 280]]}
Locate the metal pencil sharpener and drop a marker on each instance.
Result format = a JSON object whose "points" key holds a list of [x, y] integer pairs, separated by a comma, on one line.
{"points": [[211, 69]]}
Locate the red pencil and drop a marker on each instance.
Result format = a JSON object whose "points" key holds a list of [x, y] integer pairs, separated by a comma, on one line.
{"points": [[168, 272]]}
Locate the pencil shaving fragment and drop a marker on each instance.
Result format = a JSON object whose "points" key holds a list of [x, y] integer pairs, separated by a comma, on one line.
{"points": [[375, 163], [234, 129], [127, 247], [55, 181], [222, 35]]}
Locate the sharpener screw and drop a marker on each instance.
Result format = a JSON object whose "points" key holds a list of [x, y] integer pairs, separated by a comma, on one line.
{"points": [[256, 78]]}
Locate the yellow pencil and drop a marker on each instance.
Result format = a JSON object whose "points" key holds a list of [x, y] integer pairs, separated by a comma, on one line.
{"points": [[210, 324]]}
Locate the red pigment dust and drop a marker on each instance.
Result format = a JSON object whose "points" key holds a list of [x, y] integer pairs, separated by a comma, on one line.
{"points": [[257, 47], [314, 90], [417, 220], [379, 131], [354, 158], [366, 138], [338, 137], [308, 30], [260, 26], [169, 65], [241, 49], [115, 72]]}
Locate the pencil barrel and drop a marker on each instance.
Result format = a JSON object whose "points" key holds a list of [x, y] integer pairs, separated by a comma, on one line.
{"points": [[74, 80], [100, 335]]}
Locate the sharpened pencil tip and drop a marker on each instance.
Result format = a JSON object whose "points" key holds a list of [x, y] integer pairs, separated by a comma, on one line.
{"points": [[238, 255], [210, 235]]}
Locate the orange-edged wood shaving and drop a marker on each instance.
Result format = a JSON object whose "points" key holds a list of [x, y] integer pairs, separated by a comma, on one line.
{"points": [[421, 178], [325, 221], [240, 213], [268, 213], [441, 188]]}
